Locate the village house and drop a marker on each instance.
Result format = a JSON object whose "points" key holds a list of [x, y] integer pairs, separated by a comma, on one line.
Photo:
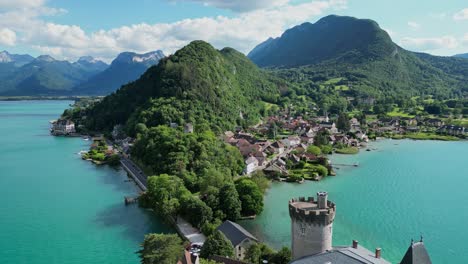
{"points": [[188, 128], [240, 238], [434, 122], [275, 170], [291, 141], [362, 136], [453, 130], [330, 126], [276, 148], [63, 127], [251, 164], [354, 124]]}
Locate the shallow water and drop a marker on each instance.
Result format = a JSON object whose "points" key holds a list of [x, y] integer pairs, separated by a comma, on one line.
{"points": [[399, 191], [55, 207]]}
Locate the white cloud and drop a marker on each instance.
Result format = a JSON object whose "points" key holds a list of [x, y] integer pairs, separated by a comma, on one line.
{"points": [[413, 25], [241, 5], [7, 37], [241, 32], [428, 44], [20, 4], [462, 15]]}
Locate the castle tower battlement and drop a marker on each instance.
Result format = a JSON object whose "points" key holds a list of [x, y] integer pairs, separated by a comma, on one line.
{"points": [[311, 224]]}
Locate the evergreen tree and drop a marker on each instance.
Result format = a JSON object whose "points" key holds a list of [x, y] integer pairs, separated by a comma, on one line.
{"points": [[229, 202], [161, 249], [217, 244]]}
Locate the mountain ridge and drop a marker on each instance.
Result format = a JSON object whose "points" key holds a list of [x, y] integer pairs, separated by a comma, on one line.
{"points": [[125, 68]]}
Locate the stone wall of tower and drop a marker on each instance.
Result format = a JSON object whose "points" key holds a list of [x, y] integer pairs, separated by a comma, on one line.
{"points": [[310, 238], [311, 229]]}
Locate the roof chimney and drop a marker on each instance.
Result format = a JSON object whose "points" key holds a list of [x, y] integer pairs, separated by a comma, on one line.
{"points": [[378, 253], [355, 243]]}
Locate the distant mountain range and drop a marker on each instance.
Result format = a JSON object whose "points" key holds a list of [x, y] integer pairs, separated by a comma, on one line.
{"points": [[360, 51], [127, 67], [25, 75], [464, 55]]}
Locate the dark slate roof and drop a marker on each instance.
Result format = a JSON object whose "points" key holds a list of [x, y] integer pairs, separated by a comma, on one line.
{"points": [[416, 254], [348, 255], [235, 233]]}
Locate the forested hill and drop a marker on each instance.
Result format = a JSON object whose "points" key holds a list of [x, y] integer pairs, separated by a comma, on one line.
{"points": [[210, 88], [360, 52], [332, 37]]}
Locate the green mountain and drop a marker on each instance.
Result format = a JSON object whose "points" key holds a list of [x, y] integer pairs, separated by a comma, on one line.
{"points": [[210, 88], [363, 56], [127, 67], [464, 55], [47, 76]]}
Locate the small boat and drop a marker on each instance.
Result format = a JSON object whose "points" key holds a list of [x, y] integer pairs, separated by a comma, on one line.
{"points": [[368, 149]]}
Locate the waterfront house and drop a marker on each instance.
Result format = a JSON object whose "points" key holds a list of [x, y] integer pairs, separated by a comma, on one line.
{"points": [[275, 170], [240, 238], [453, 130], [434, 122], [63, 127]]}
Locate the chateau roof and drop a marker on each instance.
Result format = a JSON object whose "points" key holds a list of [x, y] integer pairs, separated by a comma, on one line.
{"points": [[348, 255], [416, 253], [235, 233]]}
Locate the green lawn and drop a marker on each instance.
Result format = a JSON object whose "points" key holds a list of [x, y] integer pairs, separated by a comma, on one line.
{"points": [[426, 136], [333, 81], [349, 150], [398, 113]]}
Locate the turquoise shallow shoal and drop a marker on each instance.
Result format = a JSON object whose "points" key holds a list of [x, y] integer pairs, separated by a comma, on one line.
{"points": [[402, 189], [55, 207]]}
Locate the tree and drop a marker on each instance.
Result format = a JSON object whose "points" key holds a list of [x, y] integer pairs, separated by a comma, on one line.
{"points": [[343, 122], [314, 150], [251, 197], [229, 202], [164, 194], [160, 249], [326, 149], [196, 211], [281, 257], [254, 254], [262, 182], [217, 244], [322, 138]]}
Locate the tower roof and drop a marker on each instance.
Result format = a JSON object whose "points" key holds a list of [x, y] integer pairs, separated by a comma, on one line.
{"points": [[416, 254]]}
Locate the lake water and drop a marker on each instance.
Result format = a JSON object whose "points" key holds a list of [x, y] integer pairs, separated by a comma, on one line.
{"points": [[401, 190], [55, 207]]}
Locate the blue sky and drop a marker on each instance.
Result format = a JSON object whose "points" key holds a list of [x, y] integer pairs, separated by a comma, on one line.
{"points": [[69, 29]]}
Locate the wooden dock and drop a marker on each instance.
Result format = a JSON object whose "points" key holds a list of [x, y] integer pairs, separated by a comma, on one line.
{"points": [[130, 200]]}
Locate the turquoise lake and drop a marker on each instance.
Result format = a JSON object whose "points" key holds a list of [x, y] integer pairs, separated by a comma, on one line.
{"points": [[399, 191], [55, 207]]}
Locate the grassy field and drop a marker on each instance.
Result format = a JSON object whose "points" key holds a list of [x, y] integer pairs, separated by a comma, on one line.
{"points": [[349, 150], [426, 136], [398, 113]]}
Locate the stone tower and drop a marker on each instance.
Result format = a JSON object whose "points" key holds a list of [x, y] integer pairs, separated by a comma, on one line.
{"points": [[311, 225]]}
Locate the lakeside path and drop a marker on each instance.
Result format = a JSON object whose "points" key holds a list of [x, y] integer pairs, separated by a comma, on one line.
{"points": [[183, 227]]}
